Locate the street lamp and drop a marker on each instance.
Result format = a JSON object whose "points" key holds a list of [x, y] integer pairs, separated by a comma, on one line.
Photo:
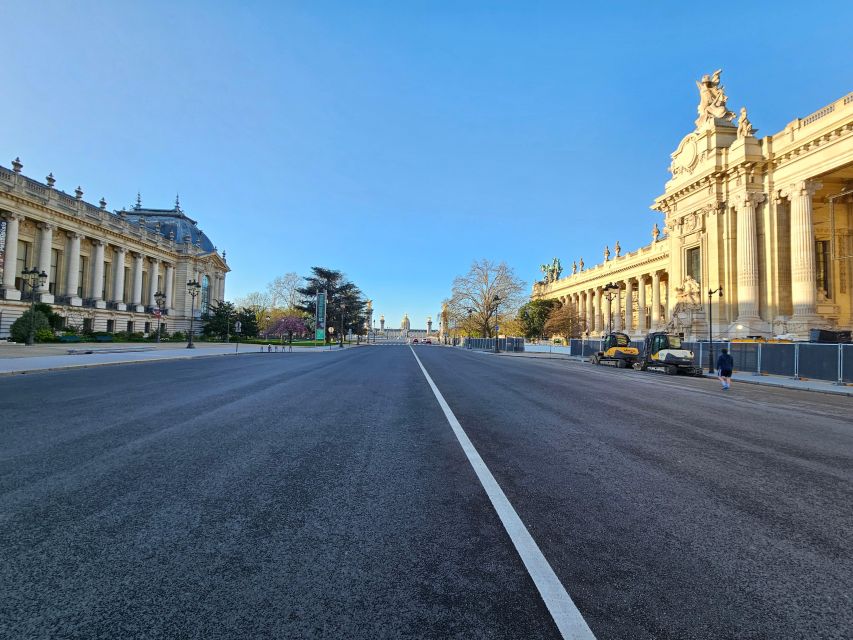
{"points": [[193, 287], [160, 299], [497, 301], [34, 278], [718, 290], [611, 290]]}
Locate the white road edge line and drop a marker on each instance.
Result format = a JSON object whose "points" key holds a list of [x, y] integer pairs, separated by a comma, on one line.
{"points": [[566, 616]]}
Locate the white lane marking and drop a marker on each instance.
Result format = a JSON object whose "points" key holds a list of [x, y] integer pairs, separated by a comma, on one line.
{"points": [[568, 619]]}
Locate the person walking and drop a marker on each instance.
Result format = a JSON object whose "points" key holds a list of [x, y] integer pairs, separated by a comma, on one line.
{"points": [[725, 365]]}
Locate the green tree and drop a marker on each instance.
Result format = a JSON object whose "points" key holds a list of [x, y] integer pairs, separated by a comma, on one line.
{"points": [[20, 329], [220, 320], [533, 316], [248, 323], [345, 305]]}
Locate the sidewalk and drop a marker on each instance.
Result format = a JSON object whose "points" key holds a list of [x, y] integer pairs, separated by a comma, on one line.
{"points": [[819, 386], [17, 359]]}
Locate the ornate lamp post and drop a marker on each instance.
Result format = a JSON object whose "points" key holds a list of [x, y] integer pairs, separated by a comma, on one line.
{"points": [[610, 291], [497, 301], [34, 278], [193, 287], [160, 299], [711, 292]]}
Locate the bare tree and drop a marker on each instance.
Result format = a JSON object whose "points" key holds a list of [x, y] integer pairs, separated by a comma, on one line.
{"points": [[283, 291], [258, 302], [487, 289], [564, 321]]}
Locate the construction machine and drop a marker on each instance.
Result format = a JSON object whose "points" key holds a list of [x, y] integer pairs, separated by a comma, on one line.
{"points": [[616, 351], [662, 351]]}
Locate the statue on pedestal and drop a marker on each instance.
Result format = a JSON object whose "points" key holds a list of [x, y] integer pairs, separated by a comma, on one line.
{"points": [[744, 127], [574, 267], [655, 233], [712, 100], [606, 253], [618, 249]]}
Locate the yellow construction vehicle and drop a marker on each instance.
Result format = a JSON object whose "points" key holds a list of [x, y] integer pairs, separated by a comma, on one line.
{"points": [[663, 352], [616, 351]]}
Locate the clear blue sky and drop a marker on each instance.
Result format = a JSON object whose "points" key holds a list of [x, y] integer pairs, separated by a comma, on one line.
{"points": [[397, 141]]}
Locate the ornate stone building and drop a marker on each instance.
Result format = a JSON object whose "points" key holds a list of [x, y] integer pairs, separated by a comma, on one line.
{"points": [[104, 267], [767, 220]]}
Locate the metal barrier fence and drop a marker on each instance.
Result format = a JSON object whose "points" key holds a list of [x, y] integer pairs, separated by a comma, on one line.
{"points": [[831, 362], [488, 344]]}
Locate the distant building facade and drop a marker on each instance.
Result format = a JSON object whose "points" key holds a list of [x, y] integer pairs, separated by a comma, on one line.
{"points": [[769, 220], [104, 267]]}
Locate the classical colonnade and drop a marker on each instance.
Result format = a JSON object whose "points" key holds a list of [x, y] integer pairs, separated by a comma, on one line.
{"points": [[596, 311], [104, 284]]}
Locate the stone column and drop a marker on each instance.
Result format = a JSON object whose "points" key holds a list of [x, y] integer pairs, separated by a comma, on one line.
{"points": [[72, 267], [168, 277], [118, 279], [641, 303], [607, 311], [655, 299], [617, 320], [599, 318], [45, 246], [153, 274], [136, 291], [587, 302], [629, 306], [97, 281], [13, 222], [747, 259], [803, 265]]}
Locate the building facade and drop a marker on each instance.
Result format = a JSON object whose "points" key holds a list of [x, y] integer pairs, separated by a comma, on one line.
{"points": [[104, 267], [766, 224]]}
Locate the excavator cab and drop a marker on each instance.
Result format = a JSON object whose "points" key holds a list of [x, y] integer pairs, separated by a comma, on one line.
{"points": [[616, 350], [664, 352]]}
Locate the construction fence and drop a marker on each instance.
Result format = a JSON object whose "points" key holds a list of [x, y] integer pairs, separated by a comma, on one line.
{"points": [[831, 362], [488, 344]]}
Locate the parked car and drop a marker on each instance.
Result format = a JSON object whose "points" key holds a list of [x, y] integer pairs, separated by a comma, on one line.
{"points": [[427, 341], [414, 341]]}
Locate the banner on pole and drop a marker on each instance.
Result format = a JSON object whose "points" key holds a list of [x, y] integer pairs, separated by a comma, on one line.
{"points": [[320, 318]]}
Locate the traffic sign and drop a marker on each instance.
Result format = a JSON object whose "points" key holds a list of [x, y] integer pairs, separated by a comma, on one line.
{"points": [[238, 326]]}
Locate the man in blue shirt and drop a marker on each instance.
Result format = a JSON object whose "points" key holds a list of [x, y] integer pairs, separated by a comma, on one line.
{"points": [[725, 364]]}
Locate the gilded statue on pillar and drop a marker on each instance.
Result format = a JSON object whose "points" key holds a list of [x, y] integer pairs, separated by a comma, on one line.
{"points": [[712, 100]]}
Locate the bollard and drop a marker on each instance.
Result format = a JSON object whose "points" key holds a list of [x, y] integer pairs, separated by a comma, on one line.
{"points": [[796, 361], [840, 366]]}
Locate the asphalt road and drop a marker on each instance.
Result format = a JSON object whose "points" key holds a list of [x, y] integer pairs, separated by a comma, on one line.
{"points": [[324, 495]]}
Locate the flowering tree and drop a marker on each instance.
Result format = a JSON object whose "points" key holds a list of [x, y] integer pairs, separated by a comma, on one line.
{"points": [[288, 325]]}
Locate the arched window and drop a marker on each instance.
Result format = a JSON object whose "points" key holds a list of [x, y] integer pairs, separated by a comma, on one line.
{"points": [[205, 295]]}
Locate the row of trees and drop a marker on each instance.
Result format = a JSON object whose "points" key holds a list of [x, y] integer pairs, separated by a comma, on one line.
{"points": [[287, 308], [490, 295]]}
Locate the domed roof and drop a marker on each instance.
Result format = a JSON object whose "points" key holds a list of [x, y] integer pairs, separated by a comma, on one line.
{"points": [[170, 223]]}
